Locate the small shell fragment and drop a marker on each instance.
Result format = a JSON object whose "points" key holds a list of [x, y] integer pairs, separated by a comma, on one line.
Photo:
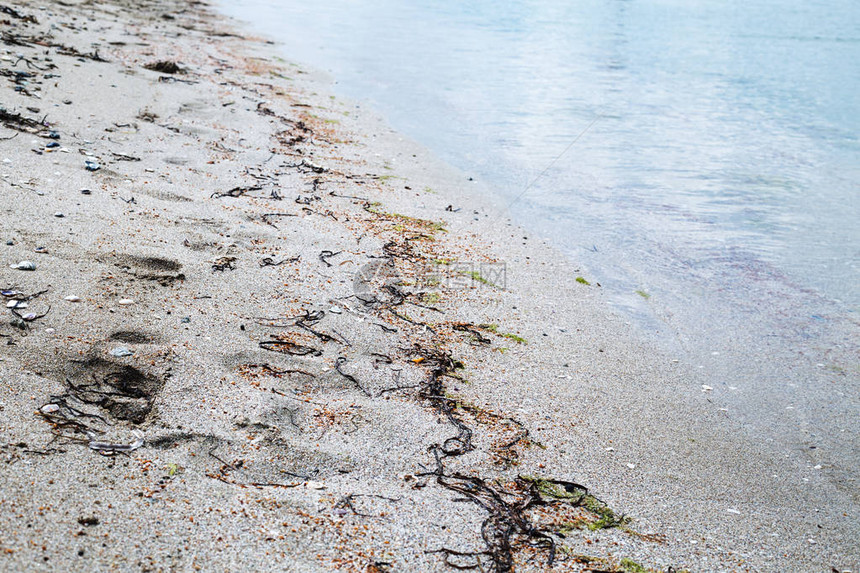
{"points": [[49, 409], [24, 266], [92, 166], [125, 301], [72, 298], [20, 304], [110, 448], [335, 310], [10, 292], [121, 352]]}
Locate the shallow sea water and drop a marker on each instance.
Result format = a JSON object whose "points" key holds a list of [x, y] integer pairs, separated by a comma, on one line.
{"points": [[699, 158]]}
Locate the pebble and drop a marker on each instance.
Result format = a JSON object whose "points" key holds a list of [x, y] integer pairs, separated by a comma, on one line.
{"points": [[49, 408], [59, 215], [86, 192], [50, 330], [125, 301], [41, 250], [24, 266], [121, 352], [72, 298], [92, 166], [335, 310]]}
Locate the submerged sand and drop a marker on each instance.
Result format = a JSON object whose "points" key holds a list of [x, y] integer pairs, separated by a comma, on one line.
{"points": [[337, 354]]}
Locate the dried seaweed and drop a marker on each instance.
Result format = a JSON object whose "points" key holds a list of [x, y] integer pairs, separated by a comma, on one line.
{"points": [[15, 14], [290, 347], [235, 192], [338, 365]]}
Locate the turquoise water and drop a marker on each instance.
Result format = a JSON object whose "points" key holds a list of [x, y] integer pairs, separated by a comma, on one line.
{"points": [[705, 152]]}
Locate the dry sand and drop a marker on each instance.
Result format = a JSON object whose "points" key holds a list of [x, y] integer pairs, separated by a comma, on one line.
{"points": [[340, 356]]}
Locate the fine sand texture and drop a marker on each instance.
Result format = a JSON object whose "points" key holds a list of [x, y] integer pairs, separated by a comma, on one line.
{"points": [[266, 333]]}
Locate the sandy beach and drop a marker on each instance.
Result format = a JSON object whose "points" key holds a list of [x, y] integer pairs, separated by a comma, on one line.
{"points": [[263, 331]]}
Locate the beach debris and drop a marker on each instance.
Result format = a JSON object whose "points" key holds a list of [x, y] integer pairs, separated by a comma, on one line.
{"points": [[164, 67], [111, 448], [270, 262], [90, 521], [631, 466], [325, 255], [41, 250], [706, 388], [24, 266], [289, 347], [49, 409], [121, 352], [30, 316], [224, 263], [125, 302], [335, 310], [72, 298], [15, 14], [235, 192], [59, 215], [92, 165], [10, 293], [338, 365], [19, 304], [86, 192]]}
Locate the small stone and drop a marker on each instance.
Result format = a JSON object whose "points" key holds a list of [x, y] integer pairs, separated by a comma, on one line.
{"points": [[314, 485], [335, 310], [49, 408], [50, 330], [92, 166], [121, 352], [59, 215], [86, 192], [41, 250], [125, 301], [72, 298], [631, 466]]}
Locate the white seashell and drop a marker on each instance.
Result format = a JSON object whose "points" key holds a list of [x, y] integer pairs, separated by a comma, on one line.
{"points": [[335, 310], [24, 266], [121, 352], [16, 304], [125, 301], [72, 298], [49, 408], [50, 330]]}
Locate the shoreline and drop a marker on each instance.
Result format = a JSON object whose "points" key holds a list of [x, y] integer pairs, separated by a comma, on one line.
{"points": [[255, 458]]}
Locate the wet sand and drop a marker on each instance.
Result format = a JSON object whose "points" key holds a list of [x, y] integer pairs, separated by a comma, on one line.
{"points": [[336, 354]]}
